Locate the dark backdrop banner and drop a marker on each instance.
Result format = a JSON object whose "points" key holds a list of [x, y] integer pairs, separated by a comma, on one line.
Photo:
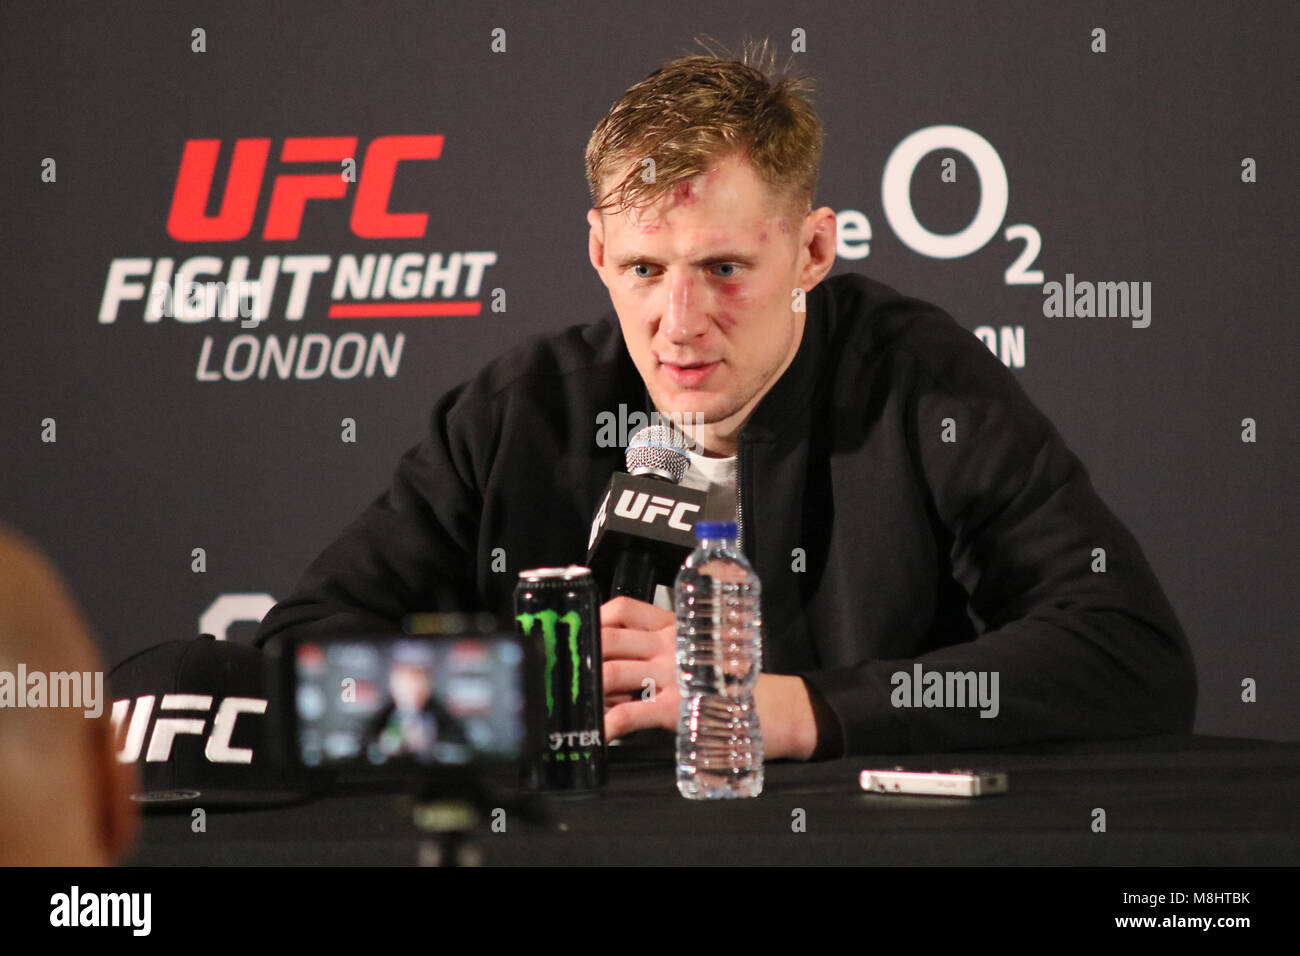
{"points": [[1104, 193]]}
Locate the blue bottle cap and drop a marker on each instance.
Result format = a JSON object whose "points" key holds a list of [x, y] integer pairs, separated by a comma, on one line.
{"points": [[714, 529]]}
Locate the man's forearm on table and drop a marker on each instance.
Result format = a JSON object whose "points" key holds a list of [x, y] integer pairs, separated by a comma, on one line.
{"points": [[786, 717]]}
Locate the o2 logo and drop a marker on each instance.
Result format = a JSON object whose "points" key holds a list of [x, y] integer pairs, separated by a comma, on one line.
{"points": [[896, 197]]}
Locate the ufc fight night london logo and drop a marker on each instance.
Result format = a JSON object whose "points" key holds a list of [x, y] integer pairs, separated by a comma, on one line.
{"points": [[232, 297]]}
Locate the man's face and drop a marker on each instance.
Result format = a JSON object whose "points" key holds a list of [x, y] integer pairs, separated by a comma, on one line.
{"points": [[702, 285], [409, 686]]}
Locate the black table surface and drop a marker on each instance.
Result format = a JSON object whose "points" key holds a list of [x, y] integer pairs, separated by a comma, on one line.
{"points": [[1168, 801]]}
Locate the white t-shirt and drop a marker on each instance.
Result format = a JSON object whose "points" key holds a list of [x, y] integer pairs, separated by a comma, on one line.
{"points": [[717, 477]]}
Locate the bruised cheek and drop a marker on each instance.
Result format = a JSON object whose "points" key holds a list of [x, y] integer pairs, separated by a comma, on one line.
{"points": [[733, 299]]}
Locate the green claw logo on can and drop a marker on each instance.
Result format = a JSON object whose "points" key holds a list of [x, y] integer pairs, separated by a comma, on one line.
{"points": [[548, 621], [557, 613]]}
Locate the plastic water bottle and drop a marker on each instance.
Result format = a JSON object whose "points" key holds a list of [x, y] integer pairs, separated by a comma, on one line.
{"points": [[719, 655]]}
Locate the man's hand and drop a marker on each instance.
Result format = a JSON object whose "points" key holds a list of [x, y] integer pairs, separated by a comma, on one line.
{"points": [[639, 645]]}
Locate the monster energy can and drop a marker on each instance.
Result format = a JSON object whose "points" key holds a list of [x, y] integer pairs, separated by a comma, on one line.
{"points": [[558, 611]]}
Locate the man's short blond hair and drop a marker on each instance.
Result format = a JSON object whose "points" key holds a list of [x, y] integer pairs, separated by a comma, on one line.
{"points": [[695, 110]]}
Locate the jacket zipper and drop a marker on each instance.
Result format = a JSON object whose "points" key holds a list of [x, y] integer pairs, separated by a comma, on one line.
{"points": [[740, 531], [740, 494]]}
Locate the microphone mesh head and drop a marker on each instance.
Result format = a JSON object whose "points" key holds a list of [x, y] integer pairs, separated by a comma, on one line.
{"points": [[657, 450]]}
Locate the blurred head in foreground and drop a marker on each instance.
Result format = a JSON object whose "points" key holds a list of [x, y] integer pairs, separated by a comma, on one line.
{"points": [[64, 798]]}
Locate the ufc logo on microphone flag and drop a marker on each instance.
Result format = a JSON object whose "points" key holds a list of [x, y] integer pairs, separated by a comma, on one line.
{"points": [[633, 505]]}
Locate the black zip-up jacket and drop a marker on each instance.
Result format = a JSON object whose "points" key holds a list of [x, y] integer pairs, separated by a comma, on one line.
{"points": [[902, 501]]}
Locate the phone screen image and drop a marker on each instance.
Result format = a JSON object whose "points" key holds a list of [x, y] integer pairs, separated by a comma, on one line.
{"points": [[400, 702]]}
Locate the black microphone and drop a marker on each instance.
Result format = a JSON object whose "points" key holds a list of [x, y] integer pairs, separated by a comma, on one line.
{"points": [[645, 525]]}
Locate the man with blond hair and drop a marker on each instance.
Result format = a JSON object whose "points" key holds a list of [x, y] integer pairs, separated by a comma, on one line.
{"points": [[907, 508]]}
